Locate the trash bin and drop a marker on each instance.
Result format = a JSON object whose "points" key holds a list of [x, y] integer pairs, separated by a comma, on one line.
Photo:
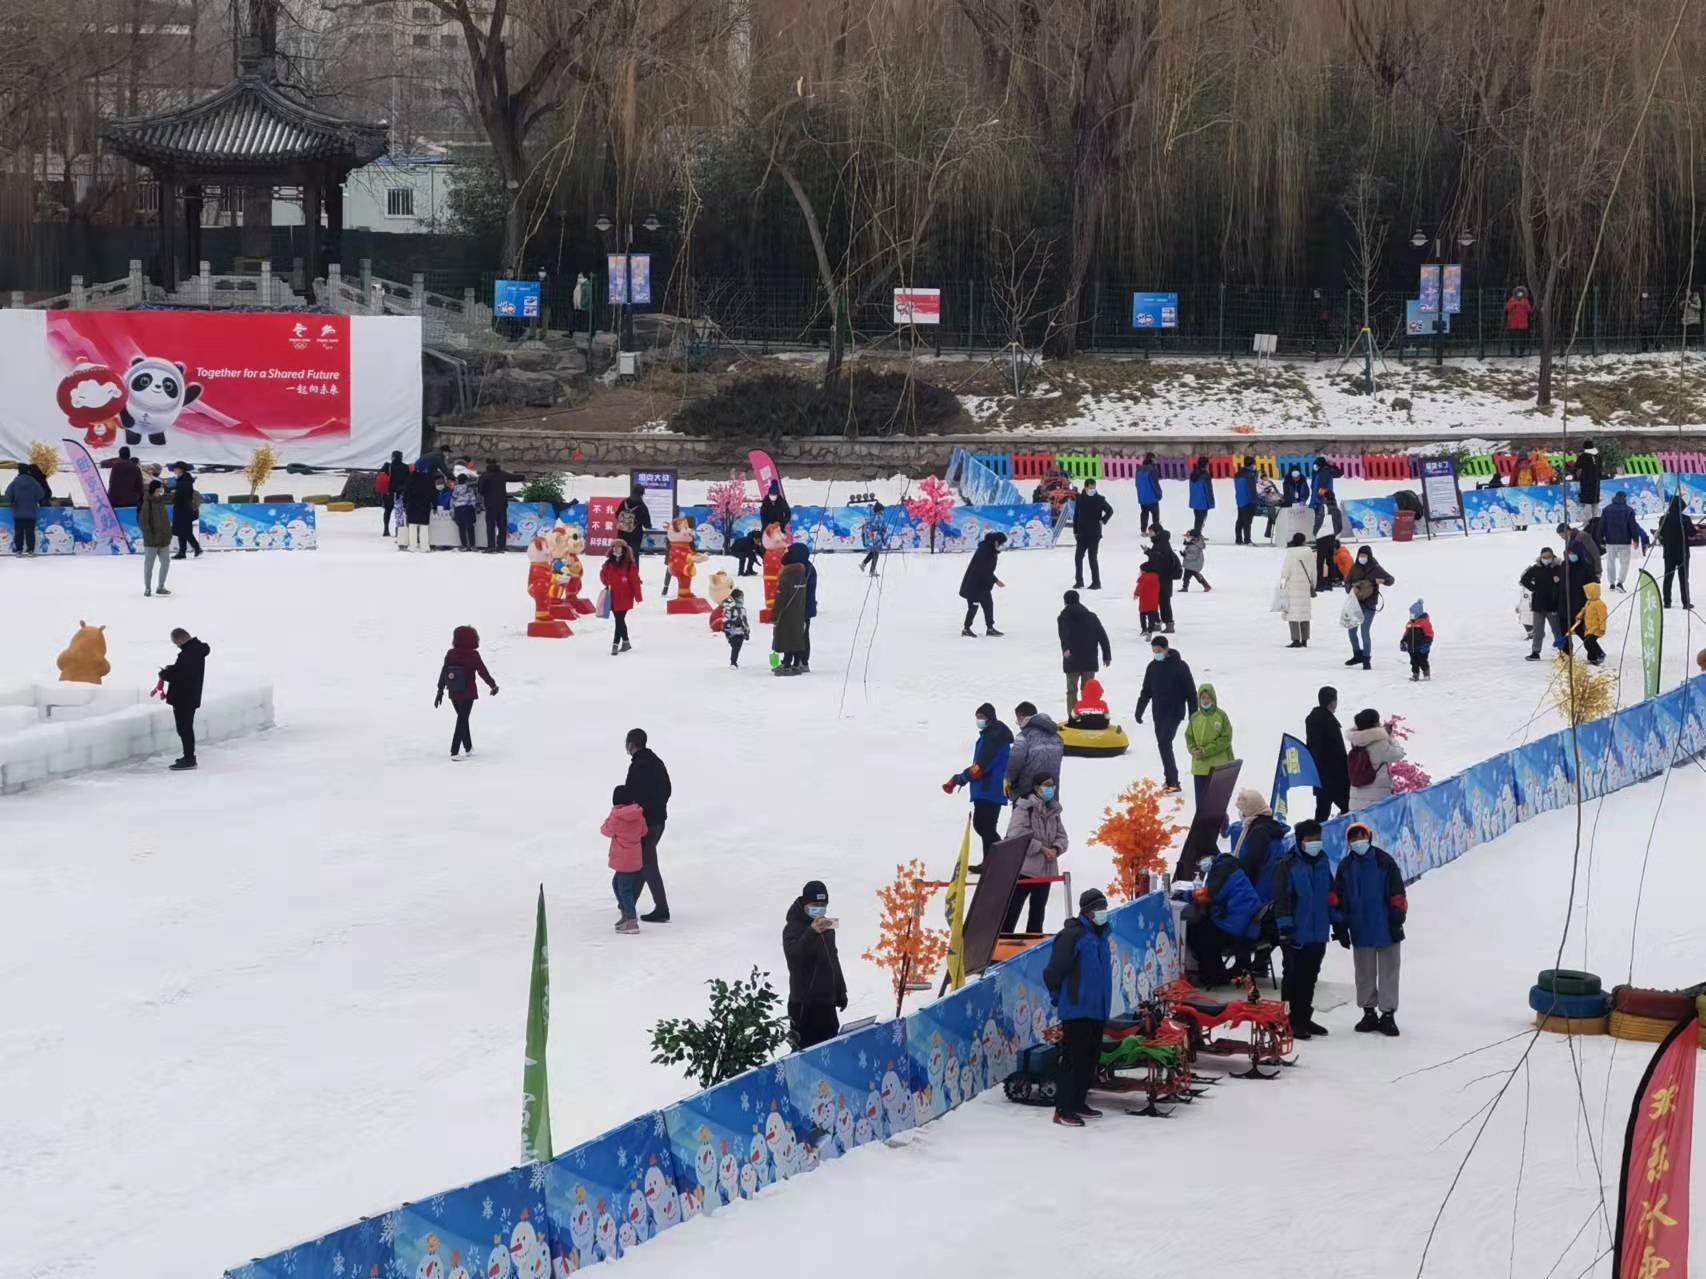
{"points": [[1404, 526]]}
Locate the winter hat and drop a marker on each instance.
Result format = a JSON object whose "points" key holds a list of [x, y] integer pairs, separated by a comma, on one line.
{"points": [[1249, 803], [1092, 899], [1417, 609], [1354, 827], [814, 893]]}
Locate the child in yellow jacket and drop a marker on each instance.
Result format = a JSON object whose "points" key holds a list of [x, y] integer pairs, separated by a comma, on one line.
{"points": [[1590, 624]]}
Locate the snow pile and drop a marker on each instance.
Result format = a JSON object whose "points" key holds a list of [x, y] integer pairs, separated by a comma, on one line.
{"points": [[50, 731]]}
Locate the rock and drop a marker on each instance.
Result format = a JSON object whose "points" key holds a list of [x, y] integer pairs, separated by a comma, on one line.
{"points": [[1401, 404], [603, 352], [517, 386]]}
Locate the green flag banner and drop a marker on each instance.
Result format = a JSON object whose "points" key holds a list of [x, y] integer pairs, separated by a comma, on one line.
{"points": [[1649, 607], [535, 1091]]}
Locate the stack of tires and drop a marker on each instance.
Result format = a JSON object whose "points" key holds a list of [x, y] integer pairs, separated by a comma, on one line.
{"points": [[1647, 1016], [1570, 1002]]}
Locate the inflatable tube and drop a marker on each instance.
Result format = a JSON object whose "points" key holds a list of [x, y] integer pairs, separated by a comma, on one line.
{"points": [[1665, 1005], [1561, 1005], [1567, 981], [1094, 741], [1573, 1025]]}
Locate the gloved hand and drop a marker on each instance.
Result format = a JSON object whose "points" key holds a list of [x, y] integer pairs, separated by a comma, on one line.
{"points": [[1138, 720], [494, 690], [439, 700], [841, 1004], [951, 785], [1342, 937]]}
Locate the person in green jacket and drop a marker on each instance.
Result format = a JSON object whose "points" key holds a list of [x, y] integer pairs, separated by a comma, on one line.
{"points": [[1208, 737], [155, 517]]}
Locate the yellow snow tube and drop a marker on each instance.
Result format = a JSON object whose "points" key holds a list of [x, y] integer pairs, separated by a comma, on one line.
{"points": [[1110, 740]]}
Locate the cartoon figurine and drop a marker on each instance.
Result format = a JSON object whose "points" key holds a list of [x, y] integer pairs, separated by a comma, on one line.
{"points": [[92, 396], [683, 560], [775, 544], [721, 586], [156, 394], [539, 585], [84, 660], [567, 543]]}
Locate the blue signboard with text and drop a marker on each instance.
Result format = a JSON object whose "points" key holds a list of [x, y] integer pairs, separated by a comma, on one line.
{"points": [[1154, 310], [515, 299]]}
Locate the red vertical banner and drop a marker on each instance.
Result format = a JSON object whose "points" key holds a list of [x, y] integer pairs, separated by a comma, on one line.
{"points": [[1652, 1203], [601, 524]]}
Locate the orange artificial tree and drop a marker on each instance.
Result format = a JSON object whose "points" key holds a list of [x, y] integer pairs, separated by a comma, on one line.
{"points": [[1140, 830], [905, 947]]}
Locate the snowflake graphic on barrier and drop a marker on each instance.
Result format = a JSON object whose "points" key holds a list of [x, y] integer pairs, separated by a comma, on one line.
{"points": [[399, 1268], [287, 1262], [536, 1177], [486, 1208], [436, 1204], [622, 1157], [388, 1227], [660, 1126], [863, 1063], [745, 1103], [337, 1263]]}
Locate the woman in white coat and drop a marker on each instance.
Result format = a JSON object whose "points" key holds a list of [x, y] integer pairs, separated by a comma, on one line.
{"points": [[1296, 592], [1369, 763]]}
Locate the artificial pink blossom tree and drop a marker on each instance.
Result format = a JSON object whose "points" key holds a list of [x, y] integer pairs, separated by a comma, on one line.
{"points": [[1407, 775], [934, 505], [729, 501]]}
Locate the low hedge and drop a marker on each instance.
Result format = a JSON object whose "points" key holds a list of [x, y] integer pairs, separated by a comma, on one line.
{"points": [[773, 405]]}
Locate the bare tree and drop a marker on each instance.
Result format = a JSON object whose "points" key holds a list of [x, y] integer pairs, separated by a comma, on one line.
{"points": [[1021, 269]]}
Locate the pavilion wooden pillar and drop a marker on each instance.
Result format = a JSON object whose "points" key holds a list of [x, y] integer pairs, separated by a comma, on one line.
{"points": [[192, 229], [335, 218], [168, 230], [311, 193]]}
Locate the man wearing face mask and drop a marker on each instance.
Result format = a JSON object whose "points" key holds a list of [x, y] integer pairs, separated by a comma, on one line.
{"points": [[1544, 582], [1303, 885], [1581, 566], [816, 990], [1080, 984], [1037, 750], [986, 775], [1089, 513], [1368, 907], [1169, 684]]}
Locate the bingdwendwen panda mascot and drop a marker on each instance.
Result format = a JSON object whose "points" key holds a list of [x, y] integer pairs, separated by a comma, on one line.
{"points": [[157, 394]]}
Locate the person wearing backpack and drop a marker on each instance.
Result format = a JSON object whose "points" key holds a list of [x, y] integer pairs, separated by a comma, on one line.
{"points": [[462, 665], [1370, 759], [633, 519], [1364, 582], [1368, 907]]}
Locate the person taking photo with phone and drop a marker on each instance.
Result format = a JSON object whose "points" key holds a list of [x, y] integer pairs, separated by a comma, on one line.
{"points": [[816, 990]]}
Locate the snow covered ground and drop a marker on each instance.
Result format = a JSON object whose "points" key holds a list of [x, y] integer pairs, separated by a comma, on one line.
{"points": [[249, 1004]]}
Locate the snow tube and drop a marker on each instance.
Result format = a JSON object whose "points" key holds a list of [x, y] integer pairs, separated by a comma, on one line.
{"points": [[1094, 741], [1573, 1006], [1665, 1005], [1573, 1025], [1645, 1030], [1568, 981]]}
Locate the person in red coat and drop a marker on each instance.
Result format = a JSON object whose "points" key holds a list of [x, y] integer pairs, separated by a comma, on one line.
{"points": [[1518, 309], [1148, 595], [462, 666], [621, 577]]}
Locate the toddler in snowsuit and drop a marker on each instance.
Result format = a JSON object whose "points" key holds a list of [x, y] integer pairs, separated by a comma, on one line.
{"points": [[1590, 624], [736, 628], [1192, 552], [1148, 596], [1418, 641], [625, 827]]}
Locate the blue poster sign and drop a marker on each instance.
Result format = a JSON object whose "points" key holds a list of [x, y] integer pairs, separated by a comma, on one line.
{"points": [[1418, 321], [1154, 310], [515, 299], [1452, 292], [635, 269], [1427, 295]]}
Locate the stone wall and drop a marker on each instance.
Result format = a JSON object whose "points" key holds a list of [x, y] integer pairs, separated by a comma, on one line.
{"points": [[832, 456]]}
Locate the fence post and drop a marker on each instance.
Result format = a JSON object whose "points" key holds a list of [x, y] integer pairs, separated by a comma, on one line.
{"points": [[468, 313], [1220, 339], [417, 293], [334, 283], [203, 283], [136, 289], [77, 293], [17, 299], [266, 283], [1596, 319], [366, 277]]}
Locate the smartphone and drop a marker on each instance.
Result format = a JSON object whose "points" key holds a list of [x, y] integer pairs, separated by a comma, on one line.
{"points": [[831, 923]]}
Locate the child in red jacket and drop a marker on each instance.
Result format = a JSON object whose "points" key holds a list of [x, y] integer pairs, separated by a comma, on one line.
{"points": [[625, 826], [462, 665], [1148, 595]]}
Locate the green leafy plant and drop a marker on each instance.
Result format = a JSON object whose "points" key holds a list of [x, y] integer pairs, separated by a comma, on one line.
{"points": [[743, 1030], [544, 488]]}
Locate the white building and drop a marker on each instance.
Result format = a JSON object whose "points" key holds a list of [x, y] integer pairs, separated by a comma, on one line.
{"points": [[394, 193]]}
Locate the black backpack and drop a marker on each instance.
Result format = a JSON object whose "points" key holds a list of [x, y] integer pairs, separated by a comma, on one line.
{"points": [[456, 679]]}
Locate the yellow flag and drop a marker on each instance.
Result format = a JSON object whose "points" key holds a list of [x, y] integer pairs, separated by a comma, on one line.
{"points": [[957, 914]]}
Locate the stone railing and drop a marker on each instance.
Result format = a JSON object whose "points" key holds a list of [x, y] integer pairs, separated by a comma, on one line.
{"points": [[441, 316], [114, 295]]}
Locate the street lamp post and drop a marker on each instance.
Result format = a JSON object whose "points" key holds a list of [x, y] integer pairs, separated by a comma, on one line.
{"points": [[1421, 240], [625, 320]]}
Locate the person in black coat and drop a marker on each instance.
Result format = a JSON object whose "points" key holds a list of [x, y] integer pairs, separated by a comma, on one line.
{"points": [[1169, 685], [1586, 473], [420, 495], [396, 473], [816, 989], [1164, 562], [1675, 530], [1544, 582], [184, 679], [747, 549], [633, 518], [186, 511], [648, 784], [1082, 637], [1326, 743], [977, 587], [1089, 513], [494, 496], [774, 509]]}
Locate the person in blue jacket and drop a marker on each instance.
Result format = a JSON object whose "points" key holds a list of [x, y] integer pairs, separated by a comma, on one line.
{"points": [[1080, 983], [1148, 493], [1295, 490], [987, 777], [1258, 840], [1202, 493], [1368, 908], [1321, 488], [1303, 887], [1244, 498], [1620, 529], [1228, 918]]}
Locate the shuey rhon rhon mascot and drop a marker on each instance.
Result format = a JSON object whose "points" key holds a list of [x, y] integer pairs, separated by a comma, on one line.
{"points": [[84, 660], [719, 588], [567, 543], [684, 560], [541, 582], [775, 546], [92, 397], [155, 394]]}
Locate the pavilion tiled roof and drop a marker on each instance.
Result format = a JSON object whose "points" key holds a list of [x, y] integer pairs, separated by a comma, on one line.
{"points": [[250, 123]]}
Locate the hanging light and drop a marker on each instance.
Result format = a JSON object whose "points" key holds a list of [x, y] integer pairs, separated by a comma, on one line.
{"points": [[651, 223], [603, 224], [1464, 239], [1419, 239]]}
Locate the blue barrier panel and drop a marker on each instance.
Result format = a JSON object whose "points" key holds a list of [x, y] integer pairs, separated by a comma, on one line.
{"points": [[960, 1029], [837, 1086], [748, 1120], [1369, 519], [1489, 797], [609, 1195], [243, 526]]}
